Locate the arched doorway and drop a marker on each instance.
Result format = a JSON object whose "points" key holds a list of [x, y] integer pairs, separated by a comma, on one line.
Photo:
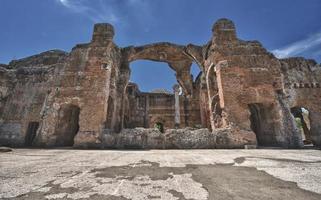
{"points": [[31, 133], [262, 124], [302, 120], [68, 125]]}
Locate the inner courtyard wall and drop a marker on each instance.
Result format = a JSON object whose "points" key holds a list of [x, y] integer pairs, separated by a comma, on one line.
{"points": [[146, 109]]}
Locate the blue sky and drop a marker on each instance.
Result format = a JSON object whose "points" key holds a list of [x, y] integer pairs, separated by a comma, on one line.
{"points": [[286, 27]]}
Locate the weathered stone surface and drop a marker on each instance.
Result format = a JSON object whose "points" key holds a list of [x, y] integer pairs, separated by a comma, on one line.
{"points": [[152, 138], [86, 140], [232, 138], [140, 138], [243, 96], [47, 58], [190, 138], [137, 138], [5, 149], [11, 134]]}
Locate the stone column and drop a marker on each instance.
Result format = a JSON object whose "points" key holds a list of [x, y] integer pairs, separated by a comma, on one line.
{"points": [[176, 89]]}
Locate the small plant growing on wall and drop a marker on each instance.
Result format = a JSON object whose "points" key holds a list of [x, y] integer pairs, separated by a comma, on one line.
{"points": [[298, 123], [160, 127]]}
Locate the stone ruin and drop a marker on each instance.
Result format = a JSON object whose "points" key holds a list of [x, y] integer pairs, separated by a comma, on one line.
{"points": [[243, 96]]}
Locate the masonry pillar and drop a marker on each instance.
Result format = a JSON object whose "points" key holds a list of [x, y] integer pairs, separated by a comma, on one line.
{"points": [[315, 121], [176, 89], [99, 102]]}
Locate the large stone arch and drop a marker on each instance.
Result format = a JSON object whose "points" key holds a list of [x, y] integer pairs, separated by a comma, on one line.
{"points": [[178, 57]]}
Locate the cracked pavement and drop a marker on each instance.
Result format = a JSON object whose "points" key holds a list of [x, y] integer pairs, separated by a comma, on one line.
{"points": [[160, 174]]}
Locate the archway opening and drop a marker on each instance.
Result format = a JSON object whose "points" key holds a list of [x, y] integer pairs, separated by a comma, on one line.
{"points": [[160, 126], [255, 119], [149, 94], [152, 75], [68, 125], [195, 71], [262, 124], [301, 116], [31, 133]]}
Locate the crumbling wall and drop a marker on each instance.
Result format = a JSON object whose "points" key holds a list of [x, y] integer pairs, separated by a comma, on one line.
{"points": [[243, 96], [302, 84], [247, 74], [86, 82], [6, 85], [26, 85], [187, 138]]}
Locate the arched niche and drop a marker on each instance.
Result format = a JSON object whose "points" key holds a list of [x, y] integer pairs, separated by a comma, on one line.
{"points": [[67, 125]]}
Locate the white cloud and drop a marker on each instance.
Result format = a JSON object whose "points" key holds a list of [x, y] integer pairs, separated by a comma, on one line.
{"points": [[108, 10], [64, 2], [74, 5], [299, 47], [100, 13], [121, 13]]}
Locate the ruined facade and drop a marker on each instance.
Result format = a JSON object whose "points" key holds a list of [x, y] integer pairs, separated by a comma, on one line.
{"points": [[243, 96]]}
